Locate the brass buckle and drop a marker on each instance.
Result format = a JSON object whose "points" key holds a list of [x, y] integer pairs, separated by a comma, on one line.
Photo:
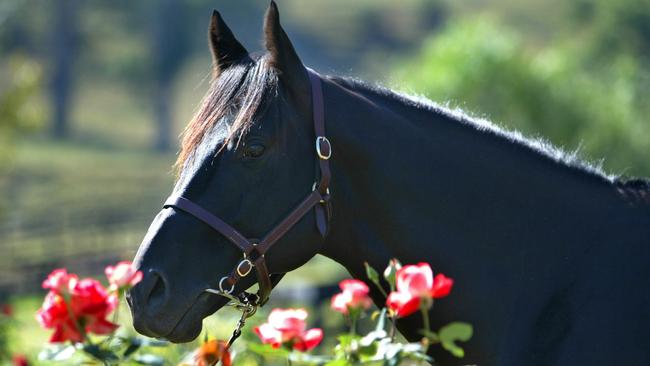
{"points": [[232, 288], [319, 140], [250, 267]]}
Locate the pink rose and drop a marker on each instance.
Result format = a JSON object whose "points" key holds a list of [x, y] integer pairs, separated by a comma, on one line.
{"points": [[287, 327], [414, 283], [60, 281], [354, 295], [122, 275]]}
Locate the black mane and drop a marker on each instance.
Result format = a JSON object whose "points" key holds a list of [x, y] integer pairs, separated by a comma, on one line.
{"points": [[239, 92]]}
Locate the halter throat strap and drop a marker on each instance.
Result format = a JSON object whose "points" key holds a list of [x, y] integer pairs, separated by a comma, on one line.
{"points": [[254, 251]]}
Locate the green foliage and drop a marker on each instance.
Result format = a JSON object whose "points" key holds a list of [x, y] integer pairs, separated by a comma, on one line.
{"points": [[5, 323], [615, 27], [450, 333], [488, 69]]}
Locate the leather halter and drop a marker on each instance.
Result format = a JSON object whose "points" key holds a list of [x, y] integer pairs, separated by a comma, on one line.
{"points": [[254, 251]]}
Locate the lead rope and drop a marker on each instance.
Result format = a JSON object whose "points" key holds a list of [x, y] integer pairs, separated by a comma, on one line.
{"points": [[242, 303]]}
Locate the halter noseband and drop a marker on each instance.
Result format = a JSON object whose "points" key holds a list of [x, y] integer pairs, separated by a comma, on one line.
{"points": [[254, 251]]}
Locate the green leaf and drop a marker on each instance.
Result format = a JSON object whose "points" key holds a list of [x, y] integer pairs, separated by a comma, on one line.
{"points": [[453, 332], [346, 340], [100, 353], [131, 349], [372, 274], [367, 351]]}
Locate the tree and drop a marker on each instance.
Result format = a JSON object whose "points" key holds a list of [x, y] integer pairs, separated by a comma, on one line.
{"points": [[64, 48], [488, 70], [169, 52]]}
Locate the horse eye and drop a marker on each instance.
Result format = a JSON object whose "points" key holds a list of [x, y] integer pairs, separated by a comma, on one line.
{"points": [[254, 151]]}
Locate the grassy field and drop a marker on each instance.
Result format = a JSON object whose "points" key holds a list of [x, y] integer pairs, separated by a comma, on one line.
{"points": [[66, 201]]}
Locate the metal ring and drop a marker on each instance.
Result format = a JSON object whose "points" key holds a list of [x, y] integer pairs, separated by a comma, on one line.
{"points": [[232, 288], [250, 267], [320, 139], [313, 188]]}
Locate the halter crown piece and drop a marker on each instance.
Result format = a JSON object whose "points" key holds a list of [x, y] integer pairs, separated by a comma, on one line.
{"points": [[253, 250]]}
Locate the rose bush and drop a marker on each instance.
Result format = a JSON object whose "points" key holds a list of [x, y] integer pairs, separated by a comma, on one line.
{"points": [[77, 310]]}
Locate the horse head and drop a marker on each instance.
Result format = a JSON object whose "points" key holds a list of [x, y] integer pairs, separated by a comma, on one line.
{"points": [[247, 158]]}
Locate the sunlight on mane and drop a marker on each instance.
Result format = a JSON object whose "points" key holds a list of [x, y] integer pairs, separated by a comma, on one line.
{"points": [[570, 158]]}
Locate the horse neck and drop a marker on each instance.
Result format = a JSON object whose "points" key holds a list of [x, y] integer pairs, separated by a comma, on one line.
{"points": [[421, 186]]}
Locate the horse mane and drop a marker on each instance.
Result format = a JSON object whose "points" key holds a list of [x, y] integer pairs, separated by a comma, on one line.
{"points": [[542, 147], [234, 98], [238, 94]]}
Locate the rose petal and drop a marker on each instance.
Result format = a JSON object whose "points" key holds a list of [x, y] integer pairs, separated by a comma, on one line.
{"points": [[101, 326], [290, 322], [416, 279], [441, 286], [403, 303], [269, 335], [310, 340], [354, 286]]}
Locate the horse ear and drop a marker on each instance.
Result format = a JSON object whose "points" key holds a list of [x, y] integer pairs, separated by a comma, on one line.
{"points": [[282, 55], [226, 49]]}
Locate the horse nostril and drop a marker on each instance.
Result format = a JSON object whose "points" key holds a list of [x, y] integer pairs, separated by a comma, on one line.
{"points": [[157, 293]]}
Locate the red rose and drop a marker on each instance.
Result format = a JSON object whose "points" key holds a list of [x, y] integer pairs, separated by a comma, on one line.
{"points": [[354, 295], [122, 275], [7, 310], [54, 314], [60, 281], [414, 283], [288, 327], [86, 305], [20, 360]]}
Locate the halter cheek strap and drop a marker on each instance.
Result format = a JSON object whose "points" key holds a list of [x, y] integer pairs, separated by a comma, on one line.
{"points": [[254, 251]]}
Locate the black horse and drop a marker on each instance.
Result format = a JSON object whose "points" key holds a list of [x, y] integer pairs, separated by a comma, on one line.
{"points": [[550, 256]]}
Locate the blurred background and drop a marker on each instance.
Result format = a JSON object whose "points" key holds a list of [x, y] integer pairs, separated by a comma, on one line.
{"points": [[93, 96]]}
